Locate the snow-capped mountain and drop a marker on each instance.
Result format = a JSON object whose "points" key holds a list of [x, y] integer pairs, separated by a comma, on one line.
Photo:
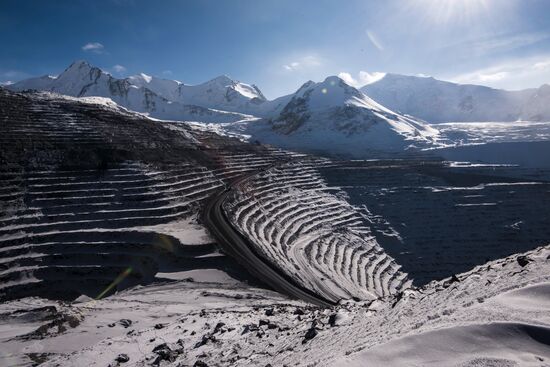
{"points": [[40, 83], [336, 118], [439, 101], [223, 93], [81, 79], [161, 98], [537, 107], [165, 88], [223, 99]]}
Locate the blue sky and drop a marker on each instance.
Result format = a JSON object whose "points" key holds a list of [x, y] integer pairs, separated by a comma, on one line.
{"points": [[280, 44]]}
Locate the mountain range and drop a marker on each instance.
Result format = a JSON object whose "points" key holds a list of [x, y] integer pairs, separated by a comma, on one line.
{"points": [[392, 114], [223, 99], [438, 101], [158, 98], [334, 117], [315, 115]]}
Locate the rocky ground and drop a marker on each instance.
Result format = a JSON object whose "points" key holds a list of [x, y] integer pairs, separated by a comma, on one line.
{"points": [[494, 315]]}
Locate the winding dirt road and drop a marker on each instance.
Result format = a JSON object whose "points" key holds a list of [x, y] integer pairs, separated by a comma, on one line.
{"points": [[238, 247]]}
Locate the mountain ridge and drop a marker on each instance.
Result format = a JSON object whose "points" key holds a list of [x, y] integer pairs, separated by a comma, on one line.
{"points": [[223, 99], [81, 79], [336, 118], [438, 101]]}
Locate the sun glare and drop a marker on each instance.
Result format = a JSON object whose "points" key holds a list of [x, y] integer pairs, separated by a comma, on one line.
{"points": [[448, 11]]}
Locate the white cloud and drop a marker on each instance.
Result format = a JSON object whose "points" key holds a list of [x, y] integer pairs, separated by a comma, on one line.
{"points": [[7, 82], [368, 78], [374, 40], [363, 78], [93, 47], [119, 69], [303, 63], [512, 74], [542, 65], [348, 78], [292, 66], [493, 77]]}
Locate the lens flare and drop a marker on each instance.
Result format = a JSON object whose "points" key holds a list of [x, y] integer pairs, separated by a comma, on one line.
{"points": [[115, 282], [164, 243]]}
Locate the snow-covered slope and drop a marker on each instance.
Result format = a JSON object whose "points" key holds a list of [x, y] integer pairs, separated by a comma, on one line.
{"points": [[165, 88], [537, 107], [220, 93], [81, 79], [44, 82], [335, 118], [223, 93], [439, 101], [495, 315]]}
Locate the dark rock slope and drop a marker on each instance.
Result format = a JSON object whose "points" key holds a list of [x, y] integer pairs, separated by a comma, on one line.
{"points": [[82, 184]]}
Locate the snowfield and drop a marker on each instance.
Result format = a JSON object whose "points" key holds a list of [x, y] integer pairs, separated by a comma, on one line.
{"points": [[466, 133], [494, 315]]}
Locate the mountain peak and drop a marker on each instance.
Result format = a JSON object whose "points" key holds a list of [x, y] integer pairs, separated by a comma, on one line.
{"points": [[334, 112], [395, 76], [222, 80], [146, 77], [543, 91], [333, 80], [306, 85], [79, 64], [331, 92], [79, 69], [438, 101], [223, 93]]}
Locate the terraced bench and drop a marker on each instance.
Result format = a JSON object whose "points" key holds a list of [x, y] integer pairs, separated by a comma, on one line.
{"points": [[83, 187], [307, 230]]}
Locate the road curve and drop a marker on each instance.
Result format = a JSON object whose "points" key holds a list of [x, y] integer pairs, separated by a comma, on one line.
{"points": [[238, 247]]}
